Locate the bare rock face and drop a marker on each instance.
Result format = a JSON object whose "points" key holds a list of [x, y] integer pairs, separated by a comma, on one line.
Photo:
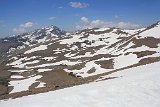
{"points": [[51, 58]]}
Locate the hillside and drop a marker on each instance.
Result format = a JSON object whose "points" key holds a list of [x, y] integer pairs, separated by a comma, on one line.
{"points": [[50, 59], [134, 87]]}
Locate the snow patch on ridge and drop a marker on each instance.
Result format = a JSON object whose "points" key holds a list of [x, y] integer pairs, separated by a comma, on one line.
{"points": [[41, 47], [23, 85]]}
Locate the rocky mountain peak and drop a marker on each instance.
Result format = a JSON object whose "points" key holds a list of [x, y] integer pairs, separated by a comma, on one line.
{"points": [[11, 43]]}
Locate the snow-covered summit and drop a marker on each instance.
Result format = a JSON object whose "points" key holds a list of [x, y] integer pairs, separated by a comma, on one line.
{"points": [[31, 38]]}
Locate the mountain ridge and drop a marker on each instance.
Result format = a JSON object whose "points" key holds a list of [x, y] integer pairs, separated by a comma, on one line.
{"points": [[77, 58]]}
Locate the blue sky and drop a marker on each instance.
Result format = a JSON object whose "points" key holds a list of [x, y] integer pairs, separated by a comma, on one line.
{"points": [[18, 16]]}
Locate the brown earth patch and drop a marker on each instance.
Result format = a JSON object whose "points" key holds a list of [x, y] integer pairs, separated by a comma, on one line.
{"points": [[77, 66], [56, 77], [107, 64], [144, 53], [120, 32], [3, 90], [148, 41], [4, 79], [92, 70], [102, 56], [34, 85]]}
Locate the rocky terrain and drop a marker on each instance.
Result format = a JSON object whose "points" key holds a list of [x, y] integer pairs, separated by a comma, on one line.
{"points": [[50, 58]]}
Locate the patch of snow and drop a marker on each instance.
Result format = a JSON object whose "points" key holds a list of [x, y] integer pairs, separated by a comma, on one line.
{"points": [[58, 52], [50, 44], [69, 55], [23, 85], [11, 50], [33, 57], [5, 40], [17, 71], [27, 43], [67, 34], [43, 70], [17, 76], [74, 47], [53, 35], [63, 62], [125, 60], [49, 58], [41, 47], [17, 62], [23, 65], [21, 47], [42, 40], [14, 58], [102, 59], [75, 38]]}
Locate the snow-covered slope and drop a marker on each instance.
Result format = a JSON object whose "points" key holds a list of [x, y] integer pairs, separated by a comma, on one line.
{"points": [[152, 32], [134, 87]]}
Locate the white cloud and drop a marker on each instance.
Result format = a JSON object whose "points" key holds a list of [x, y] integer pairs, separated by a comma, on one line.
{"points": [[128, 25], [86, 23], [27, 25], [23, 27], [78, 27], [85, 20], [78, 5], [51, 18]]}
